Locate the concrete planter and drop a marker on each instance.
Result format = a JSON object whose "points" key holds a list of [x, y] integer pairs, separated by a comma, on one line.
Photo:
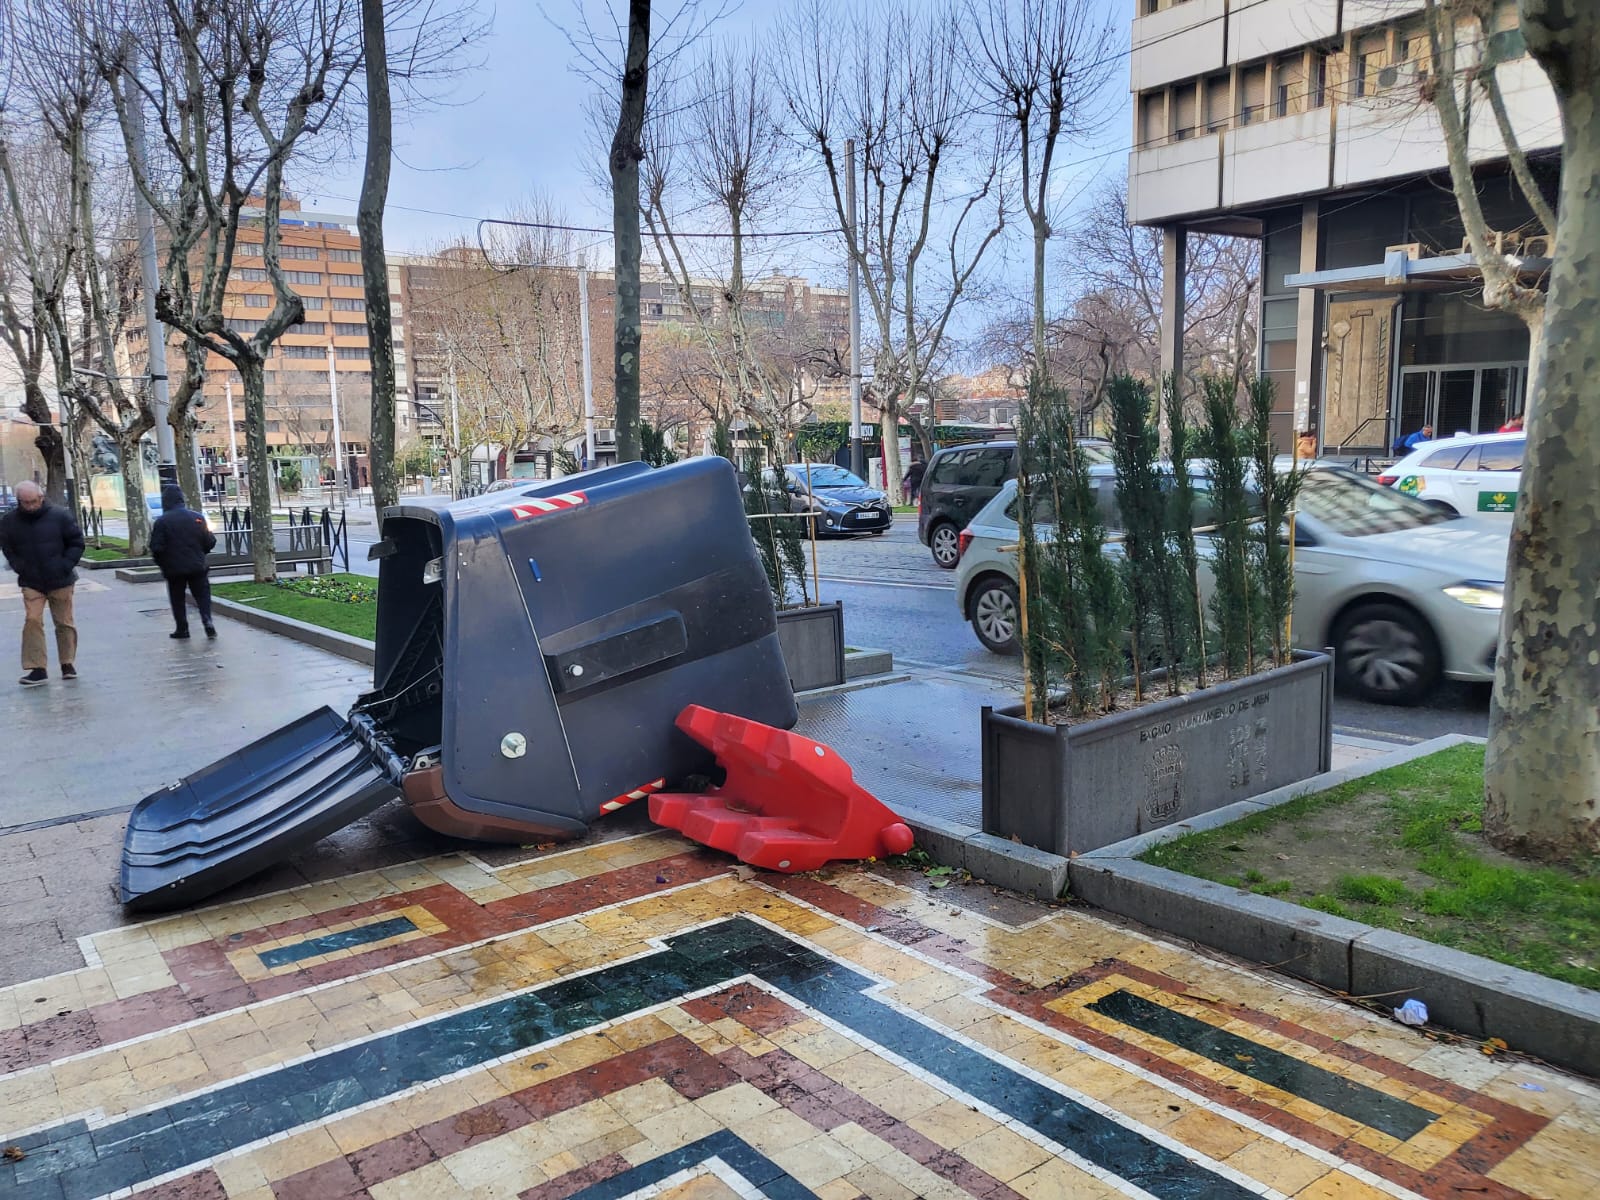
{"points": [[813, 645], [1069, 790]]}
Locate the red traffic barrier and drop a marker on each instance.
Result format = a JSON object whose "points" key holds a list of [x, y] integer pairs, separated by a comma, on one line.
{"points": [[788, 803]]}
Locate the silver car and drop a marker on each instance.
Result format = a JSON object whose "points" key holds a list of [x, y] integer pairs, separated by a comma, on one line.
{"points": [[1404, 594]]}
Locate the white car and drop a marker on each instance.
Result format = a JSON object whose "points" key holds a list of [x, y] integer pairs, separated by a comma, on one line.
{"points": [[1404, 593], [1476, 475]]}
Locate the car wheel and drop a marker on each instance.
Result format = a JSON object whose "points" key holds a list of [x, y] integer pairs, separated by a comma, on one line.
{"points": [[1386, 653], [1447, 509], [994, 615], [945, 543]]}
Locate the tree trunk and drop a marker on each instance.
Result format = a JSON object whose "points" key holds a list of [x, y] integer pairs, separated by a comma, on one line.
{"points": [[1542, 768], [47, 440], [181, 413], [893, 473], [626, 152], [374, 268], [132, 467], [1041, 232], [262, 554]]}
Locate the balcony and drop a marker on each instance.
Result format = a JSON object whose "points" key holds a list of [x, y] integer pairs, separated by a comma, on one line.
{"points": [[1386, 136], [1174, 179], [1272, 26], [1531, 105], [1277, 159], [1177, 43]]}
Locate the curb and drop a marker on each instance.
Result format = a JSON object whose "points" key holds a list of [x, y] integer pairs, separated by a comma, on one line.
{"points": [[343, 644], [858, 664], [1558, 1022], [1011, 865]]}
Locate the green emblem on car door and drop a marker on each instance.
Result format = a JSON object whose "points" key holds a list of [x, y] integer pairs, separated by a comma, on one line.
{"points": [[1497, 502]]}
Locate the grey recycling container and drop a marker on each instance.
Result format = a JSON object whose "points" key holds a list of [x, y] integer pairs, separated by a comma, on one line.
{"points": [[534, 647]]}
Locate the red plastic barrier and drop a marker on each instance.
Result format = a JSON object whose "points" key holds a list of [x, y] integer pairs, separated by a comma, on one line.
{"points": [[788, 804]]}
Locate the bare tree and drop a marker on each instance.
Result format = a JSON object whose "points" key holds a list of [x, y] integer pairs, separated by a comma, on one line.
{"points": [[1542, 765], [431, 39], [717, 145], [82, 286], [931, 166], [1044, 64]]}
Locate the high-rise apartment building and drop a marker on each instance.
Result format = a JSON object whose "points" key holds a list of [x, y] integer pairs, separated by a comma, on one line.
{"points": [[1308, 124]]}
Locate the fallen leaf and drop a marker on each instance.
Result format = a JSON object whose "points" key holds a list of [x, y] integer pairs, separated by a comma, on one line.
{"points": [[1245, 1057], [13, 1153], [939, 883], [480, 1124], [1281, 857], [1493, 1046]]}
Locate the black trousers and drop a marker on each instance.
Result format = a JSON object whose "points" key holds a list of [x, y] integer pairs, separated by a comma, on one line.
{"points": [[200, 585]]}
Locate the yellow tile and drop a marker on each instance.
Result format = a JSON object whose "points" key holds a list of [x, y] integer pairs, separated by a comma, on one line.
{"points": [[1057, 1179], [1210, 1133], [499, 1166], [367, 1128], [240, 1174], [874, 1181], [816, 1161], [296, 1153], [678, 1126], [1277, 1166], [1336, 1185], [1004, 1153], [429, 1182], [737, 1102], [773, 1131], [951, 1124]]}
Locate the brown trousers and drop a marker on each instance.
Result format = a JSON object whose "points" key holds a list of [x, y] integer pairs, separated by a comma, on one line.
{"points": [[34, 655]]}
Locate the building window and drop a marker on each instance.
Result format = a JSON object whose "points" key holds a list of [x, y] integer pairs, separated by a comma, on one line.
{"points": [[341, 330], [350, 281], [1252, 92], [299, 252], [251, 274], [306, 327], [243, 325], [350, 352], [349, 304], [344, 256], [312, 303], [247, 249], [303, 276], [256, 300], [304, 352]]}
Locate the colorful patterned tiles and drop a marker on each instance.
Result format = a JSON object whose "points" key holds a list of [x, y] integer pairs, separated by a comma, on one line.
{"points": [[641, 1018]]}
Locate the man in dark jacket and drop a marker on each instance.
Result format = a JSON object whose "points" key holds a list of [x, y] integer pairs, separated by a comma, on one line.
{"points": [[179, 543], [42, 544]]}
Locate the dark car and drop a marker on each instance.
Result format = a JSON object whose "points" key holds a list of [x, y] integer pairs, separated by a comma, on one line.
{"points": [[843, 502], [960, 480]]}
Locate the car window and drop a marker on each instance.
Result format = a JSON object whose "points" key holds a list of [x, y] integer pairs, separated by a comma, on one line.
{"points": [[826, 475], [1501, 456], [987, 468], [1354, 506], [948, 467], [1448, 459]]}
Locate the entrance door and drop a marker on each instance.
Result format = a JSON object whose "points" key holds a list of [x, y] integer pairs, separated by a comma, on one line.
{"points": [[1455, 403], [1475, 399]]}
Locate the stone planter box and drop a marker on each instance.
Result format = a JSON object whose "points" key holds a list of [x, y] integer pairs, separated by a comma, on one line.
{"points": [[813, 645], [1069, 790]]}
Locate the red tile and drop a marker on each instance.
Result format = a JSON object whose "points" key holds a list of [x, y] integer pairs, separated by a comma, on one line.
{"points": [[202, 1185], [390, 1158], [573, 1182], [328, 1181]]}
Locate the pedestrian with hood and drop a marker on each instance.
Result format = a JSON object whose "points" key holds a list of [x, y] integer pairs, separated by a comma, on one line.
{"points": [[179, 543], [42, 544]]}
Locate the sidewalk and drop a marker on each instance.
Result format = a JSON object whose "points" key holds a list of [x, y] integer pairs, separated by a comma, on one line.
{"points": [[395, 1015]]}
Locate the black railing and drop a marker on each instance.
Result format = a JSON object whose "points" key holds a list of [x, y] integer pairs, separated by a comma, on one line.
{"points": [[306, 532]]}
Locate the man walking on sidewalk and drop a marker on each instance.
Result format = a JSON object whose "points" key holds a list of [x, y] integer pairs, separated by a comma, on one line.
{"points": [[179, 543], [42, 544]]}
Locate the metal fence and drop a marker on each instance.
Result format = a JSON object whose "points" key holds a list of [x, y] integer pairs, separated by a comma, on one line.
{"points": [[305, 534]]}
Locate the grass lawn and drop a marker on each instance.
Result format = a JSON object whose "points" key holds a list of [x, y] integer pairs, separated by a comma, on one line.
{"points": [[1404, 850], [345, 603], [111, 549], [903, 509]]}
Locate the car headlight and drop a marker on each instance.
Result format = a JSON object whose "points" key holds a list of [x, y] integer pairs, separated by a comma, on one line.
{"points": [[1478, 593]]}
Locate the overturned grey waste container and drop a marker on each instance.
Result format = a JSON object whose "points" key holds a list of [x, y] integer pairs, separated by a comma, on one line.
{"points": [[534, 648]]}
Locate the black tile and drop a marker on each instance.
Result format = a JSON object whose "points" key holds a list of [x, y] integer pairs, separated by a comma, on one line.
{"points": [[328, 943], [1372, 1108]]}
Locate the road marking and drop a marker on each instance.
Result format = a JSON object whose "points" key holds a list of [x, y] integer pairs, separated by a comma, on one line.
{"points": [[927, 587]]}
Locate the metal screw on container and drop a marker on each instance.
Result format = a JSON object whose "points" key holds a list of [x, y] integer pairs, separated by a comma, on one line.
{"points": [[513, 745], [575, 670]]}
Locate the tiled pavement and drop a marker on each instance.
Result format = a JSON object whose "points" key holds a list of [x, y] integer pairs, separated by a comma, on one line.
{"points": [[640, 1017]]}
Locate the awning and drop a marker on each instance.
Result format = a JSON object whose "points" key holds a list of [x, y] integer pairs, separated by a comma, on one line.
{"points": [[1398, 272]]}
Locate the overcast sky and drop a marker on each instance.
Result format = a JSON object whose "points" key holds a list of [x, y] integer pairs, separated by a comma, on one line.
{"points": [[517, 126]]}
